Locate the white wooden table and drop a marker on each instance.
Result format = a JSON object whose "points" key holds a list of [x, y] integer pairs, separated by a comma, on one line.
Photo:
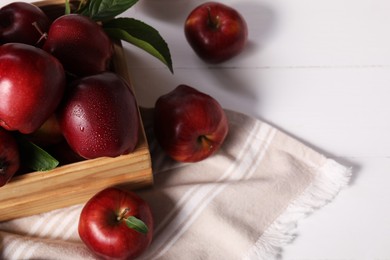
{"points": [[318, 70]]}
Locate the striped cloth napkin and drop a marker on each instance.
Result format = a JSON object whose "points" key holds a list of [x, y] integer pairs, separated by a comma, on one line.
{"points": [[242, 203]]}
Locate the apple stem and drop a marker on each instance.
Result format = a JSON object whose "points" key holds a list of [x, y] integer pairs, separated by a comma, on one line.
{"points": [[213, 22], [204, 141], [43, 34], [122, 214], [133, 222]]}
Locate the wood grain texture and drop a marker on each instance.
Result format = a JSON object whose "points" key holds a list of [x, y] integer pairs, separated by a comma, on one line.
{"points": [[75, 183]]}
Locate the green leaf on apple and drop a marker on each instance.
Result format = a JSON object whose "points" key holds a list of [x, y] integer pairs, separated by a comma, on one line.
{"points": [[137, 224], [102, 10], [141, 35], [34, 157]]}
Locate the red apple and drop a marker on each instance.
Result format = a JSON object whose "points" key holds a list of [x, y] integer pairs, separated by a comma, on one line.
{"points": [[9, 156], [189, 125], [32, 83], [116, 224], [216, 32], [22, 22], [99, 116], [80, 44]]}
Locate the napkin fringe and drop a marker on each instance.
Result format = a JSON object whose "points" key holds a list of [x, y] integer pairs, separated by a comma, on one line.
{"points": [[327, 183]]}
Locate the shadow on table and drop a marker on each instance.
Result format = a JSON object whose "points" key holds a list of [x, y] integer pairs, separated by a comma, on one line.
{"points": [[170, 11]]}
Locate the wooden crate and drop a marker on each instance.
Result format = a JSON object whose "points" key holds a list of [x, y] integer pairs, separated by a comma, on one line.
{"points": [[75, 183]]}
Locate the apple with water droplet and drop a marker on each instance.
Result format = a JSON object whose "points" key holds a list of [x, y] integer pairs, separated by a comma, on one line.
{"points": [[99, 116], [80, 44]]}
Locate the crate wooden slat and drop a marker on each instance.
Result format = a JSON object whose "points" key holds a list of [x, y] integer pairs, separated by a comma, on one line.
{"points": [[75, 183]]}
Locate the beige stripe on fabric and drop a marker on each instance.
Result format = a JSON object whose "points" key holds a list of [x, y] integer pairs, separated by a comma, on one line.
{"points": [[197, 198]]}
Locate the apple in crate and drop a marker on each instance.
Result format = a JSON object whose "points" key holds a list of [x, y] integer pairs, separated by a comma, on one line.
{"points": [[80, 44], [23, 22], [99, 116], [189, 125], [216, 32], [32, 84], [116, 224], [9, 156]]}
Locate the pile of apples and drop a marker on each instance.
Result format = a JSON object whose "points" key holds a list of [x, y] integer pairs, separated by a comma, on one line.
{"points": [[56, 84], [189, 125], [58, 73]]}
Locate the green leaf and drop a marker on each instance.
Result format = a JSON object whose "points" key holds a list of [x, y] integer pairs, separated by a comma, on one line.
{"points": [[34, 157], [137, 224], [82, 7], [102, 10], [141, 35]]}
